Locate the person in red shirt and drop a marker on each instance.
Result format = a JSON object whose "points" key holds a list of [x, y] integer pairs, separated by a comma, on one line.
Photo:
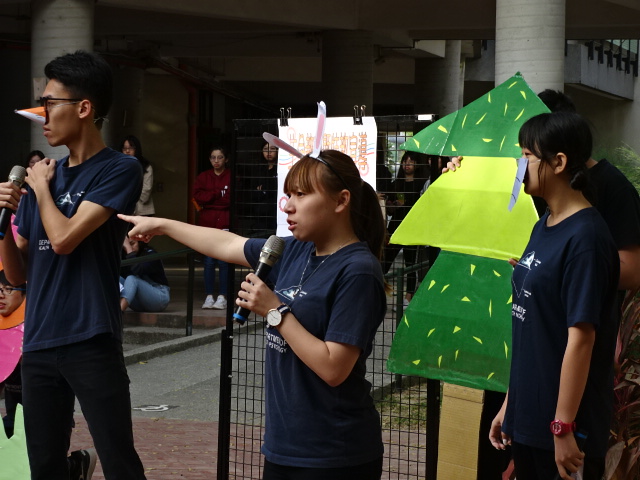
{"points": [[212, 194]]}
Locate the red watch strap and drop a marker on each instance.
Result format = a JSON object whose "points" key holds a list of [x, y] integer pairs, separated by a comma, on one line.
{"points": [[558, 427]]}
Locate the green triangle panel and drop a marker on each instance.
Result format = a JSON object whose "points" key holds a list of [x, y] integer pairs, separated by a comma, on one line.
{"points": [[467, 211], [457, 328], [487, 127], [14, 463]]}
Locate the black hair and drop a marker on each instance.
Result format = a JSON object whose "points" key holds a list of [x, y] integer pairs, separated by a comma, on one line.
{"points": [[224, 151], [4, 281], [309, 173], [34, 153], [548, 134], [135, 143], [85, 75], [556, 101], [421, 161]]}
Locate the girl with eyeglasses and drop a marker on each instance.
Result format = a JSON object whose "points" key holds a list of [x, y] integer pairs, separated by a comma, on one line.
{"points": [[322, 316]]}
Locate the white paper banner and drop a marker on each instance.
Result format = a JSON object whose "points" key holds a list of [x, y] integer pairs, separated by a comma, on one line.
{"points": [[340, 133]]}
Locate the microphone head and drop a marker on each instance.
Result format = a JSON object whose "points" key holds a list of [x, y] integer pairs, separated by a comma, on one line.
{"points": [[271, 250], [17, 174]]}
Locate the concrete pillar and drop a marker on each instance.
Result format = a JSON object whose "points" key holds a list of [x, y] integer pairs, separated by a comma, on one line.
{"points": [[530, 38], [347, 71], [438, 82], [126, 114], [58, 27]]}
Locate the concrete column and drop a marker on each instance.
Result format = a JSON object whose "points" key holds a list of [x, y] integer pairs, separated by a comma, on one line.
{"points": [[530, 39], [58, 27], [438, 82], [126, 114], [347, 71]]}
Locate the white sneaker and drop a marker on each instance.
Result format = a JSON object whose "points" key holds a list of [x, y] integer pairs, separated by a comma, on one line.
{"points": [[221, 303], [208, 303]]}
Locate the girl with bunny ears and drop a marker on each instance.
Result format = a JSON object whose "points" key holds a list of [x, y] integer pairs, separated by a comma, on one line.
{"points": [[322, 316]]}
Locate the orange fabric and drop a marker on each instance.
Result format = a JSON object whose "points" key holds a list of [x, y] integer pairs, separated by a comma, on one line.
{"points": [[16, 318], [13, 320]]}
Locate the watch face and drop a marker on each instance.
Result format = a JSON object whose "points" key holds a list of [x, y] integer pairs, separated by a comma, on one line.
{"points": [[274, 317], [556, 428]]}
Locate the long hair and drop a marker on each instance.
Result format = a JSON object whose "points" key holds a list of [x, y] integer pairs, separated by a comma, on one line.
{"points": [[133, 141], [338, 173]]}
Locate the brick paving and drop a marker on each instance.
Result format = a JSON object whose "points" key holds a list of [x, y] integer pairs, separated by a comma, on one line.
{"points": [[181, 449], [169, 449]]}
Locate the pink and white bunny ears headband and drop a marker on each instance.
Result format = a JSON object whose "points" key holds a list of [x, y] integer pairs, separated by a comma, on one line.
{"points": [[317, 142]]}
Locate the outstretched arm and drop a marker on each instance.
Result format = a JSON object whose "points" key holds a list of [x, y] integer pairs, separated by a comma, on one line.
{"points": [[211, 242]]}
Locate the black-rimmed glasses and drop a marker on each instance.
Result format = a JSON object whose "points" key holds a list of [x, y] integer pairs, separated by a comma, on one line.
{"points": [[9, 290], [45, 102]]}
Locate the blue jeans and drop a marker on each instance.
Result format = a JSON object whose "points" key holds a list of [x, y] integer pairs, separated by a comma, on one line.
{"points": [[144, 296], [94, 372], [210, 275]]}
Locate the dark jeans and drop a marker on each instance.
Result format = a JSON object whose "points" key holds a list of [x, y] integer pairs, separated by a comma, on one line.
{"points": [[366, 471], [410, 255], [12, 397], [95, 373], [537, 464], [491, 462], [210, 275]]}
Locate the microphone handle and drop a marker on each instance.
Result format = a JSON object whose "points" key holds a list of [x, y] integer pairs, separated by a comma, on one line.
{"points": [[241, 314], [5, 216]]}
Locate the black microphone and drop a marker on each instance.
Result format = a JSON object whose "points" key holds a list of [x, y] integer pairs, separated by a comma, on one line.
{"points": [[16, 176], [269, 255]]}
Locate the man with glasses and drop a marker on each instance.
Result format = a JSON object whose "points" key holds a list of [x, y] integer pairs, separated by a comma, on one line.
{"points": [[68, 248]]}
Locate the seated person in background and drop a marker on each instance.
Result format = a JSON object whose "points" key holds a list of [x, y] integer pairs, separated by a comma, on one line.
{"points": [[143, 286]]}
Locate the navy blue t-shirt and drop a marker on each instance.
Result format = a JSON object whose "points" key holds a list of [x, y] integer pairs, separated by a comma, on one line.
{"points": [[568, 274], [73, 297], [340, 299]]}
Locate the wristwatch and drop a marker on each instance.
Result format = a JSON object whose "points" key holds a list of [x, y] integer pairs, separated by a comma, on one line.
{"points": [[558, 427], [275, 315]]}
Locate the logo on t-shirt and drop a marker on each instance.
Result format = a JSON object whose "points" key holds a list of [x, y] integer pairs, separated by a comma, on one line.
{"points": [[521, 272], [68, 199], [276, 342], [291, 293]]}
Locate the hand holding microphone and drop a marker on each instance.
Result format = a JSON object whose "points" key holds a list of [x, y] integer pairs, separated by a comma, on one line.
{"points": [[269, 255], [16, 176]]}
